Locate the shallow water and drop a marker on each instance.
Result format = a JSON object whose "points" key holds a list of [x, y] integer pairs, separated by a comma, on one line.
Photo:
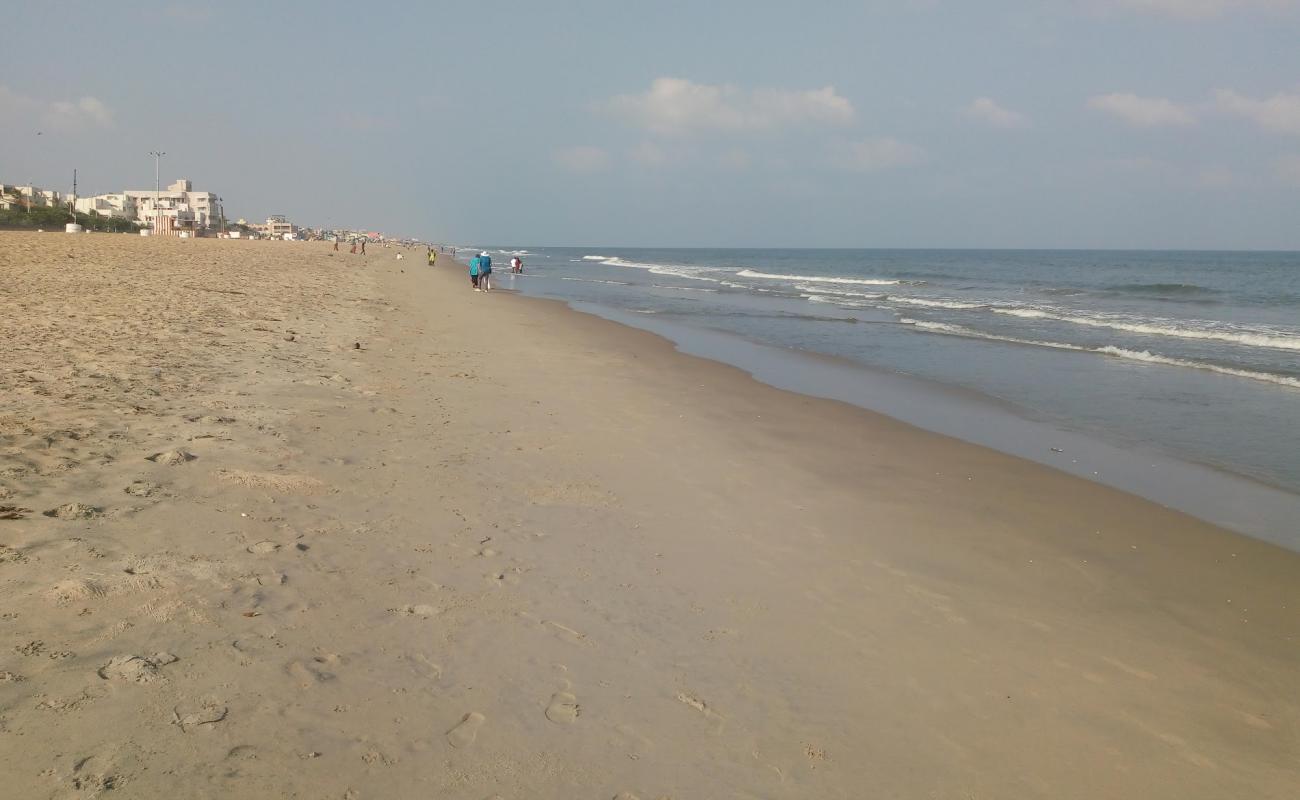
{"points": [[1192, 354]]}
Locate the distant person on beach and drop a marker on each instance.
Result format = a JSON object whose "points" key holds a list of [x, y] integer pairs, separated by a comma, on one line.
{"points": [[516, 265], [354, 247], [474, 265], [363, 247], [433, 256], [485, 271], [336, 244]]}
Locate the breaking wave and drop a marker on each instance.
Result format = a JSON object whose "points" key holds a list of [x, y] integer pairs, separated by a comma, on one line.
{"points": [[1107, 350], [1252, 338], [749, 273]]}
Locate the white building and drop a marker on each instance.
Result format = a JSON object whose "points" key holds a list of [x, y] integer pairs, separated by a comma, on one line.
{"points": [[28, 197], [108, 205], [178, 201], [277, 227]]}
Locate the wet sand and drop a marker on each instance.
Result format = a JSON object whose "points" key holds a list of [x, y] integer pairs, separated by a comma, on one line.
{"points": [[291, 523]]}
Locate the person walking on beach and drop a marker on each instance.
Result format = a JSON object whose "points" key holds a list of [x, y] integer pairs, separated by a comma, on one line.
{"points": [[485, 271], [336, 244], [474, 265], [354, 247], [517, 265], [433, 256], [363, 247]]}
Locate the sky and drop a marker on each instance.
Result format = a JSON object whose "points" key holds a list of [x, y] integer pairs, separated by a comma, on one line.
{"points": [[756, 123]]}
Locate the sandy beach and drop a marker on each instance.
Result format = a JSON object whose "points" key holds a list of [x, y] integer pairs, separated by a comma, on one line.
{"points": [[282, 522]]}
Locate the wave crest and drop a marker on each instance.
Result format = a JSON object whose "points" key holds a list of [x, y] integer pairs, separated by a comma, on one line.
{"points": [[1107, 350]]}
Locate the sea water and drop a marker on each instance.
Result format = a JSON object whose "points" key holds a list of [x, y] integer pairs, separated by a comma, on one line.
{"points": [[1192, 354]]}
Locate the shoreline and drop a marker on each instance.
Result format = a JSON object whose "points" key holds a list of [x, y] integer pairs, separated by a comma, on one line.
{"points": [[1238, 502], [428, 542]]}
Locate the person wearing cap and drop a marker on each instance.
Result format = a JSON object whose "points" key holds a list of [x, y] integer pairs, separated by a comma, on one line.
{"points": [[485, 271]]}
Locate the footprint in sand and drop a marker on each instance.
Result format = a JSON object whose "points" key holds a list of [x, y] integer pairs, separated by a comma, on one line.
{"points": [[93, 775], [563, 709], [10, 555], [688, 698], [136, 669], [308, 674], [142, 489], [466, 730], [422, 610], [73, 511], [208, 713], [262, 547]]}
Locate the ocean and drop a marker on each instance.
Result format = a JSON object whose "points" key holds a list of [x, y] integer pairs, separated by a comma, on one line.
{"points": [[1194, 356]]}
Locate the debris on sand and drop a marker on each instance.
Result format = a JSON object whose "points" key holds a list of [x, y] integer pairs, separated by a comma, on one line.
{"points": [[73, 511], [171, 458]]}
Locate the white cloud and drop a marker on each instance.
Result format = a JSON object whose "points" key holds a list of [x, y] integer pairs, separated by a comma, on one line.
{"points": [[64, 115], [649, 154], [1199, 9], [1217, 177], [871, 155], [735, 160], [1142, 112], [677, 106], [1132, 165], [361, 121], [1279, 113], [1288, 169], [189, 12], [582, 158], [987, 110]]}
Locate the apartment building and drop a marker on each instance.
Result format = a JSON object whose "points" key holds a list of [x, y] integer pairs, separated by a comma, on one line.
{"points": [[200, 207], [108, 205]]}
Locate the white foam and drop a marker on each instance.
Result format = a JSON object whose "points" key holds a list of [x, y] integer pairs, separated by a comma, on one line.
{"points": [[683, 288], [749, 273], [823, 290], [595, 280], [933, 303], [671, 270], [596, 258], [837, 301], [1108, 350], [1253, 338]]}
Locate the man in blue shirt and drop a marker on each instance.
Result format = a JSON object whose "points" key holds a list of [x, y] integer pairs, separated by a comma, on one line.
{"points": [[485, 271]]}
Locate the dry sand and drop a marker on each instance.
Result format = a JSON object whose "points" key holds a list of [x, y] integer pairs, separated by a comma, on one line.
{"points": [[507, 550]]}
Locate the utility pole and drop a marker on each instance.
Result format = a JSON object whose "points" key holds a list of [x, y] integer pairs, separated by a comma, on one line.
{"points": [[72, 203], [157, 157]]}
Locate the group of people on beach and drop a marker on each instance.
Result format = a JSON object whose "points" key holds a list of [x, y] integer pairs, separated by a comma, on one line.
{"points": [[355, 242], [480, 270]]}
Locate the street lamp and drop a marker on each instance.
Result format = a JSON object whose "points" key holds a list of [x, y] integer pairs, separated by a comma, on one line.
{"points": [[157, 158]]}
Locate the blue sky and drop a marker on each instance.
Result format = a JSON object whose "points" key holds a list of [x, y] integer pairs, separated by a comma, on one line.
{"points": [[921, 123]]}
